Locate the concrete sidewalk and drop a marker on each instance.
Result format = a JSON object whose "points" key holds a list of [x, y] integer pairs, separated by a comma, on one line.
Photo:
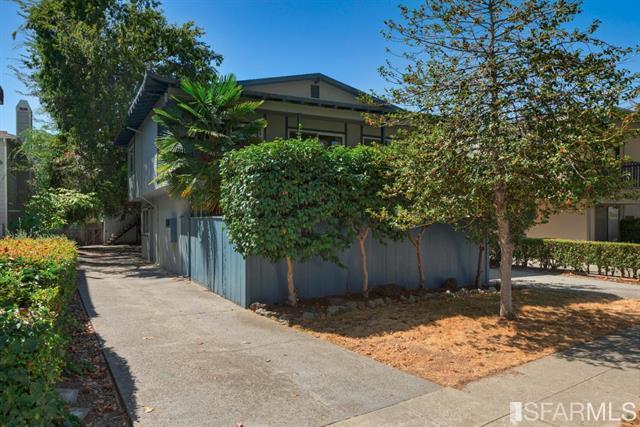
{"points": [[606, 370], [182, 356]]}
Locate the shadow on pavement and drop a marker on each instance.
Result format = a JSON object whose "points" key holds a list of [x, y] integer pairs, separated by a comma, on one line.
{"points": [[123, 260], [613, 351]]}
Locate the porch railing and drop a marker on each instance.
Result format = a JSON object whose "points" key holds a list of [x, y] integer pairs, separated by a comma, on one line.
{"points": [[632, 171]]}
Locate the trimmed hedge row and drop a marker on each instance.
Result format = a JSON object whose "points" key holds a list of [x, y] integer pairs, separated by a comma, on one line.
{"points": [[610, 258], [37, 281]]}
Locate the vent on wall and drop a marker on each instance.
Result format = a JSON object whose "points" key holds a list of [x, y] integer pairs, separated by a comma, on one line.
{"points": [[315, 91]]}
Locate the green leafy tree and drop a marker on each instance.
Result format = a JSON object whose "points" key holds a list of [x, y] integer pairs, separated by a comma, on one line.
{"points": [[418, 203], [201, 124], [84, 61], [46, 155], [362, 176], [527, 107], [280, 202], [50, 210]]}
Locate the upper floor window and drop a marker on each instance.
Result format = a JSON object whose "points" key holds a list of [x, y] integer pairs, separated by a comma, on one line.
{"points": [[328, 139], [315, 91]]}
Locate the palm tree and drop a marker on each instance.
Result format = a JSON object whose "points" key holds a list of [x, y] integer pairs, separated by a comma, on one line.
{"points": [[198, 127]]}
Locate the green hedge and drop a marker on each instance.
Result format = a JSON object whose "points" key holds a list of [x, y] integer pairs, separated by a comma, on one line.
{"points": [[630, 230], [37, 281], [610, 258]]}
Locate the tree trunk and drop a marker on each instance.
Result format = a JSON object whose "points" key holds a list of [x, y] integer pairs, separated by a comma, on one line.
{"points": [[293, 298], [416, 242], [479, 269], [362, 237], [506, 254]]}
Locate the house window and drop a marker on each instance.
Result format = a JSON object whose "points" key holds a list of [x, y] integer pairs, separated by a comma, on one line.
{"points": [[132, 158], [315, 91], [328, 139], [145, 221]]}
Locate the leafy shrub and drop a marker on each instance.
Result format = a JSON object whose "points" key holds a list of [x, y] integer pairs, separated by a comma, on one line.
{"points": [[48, 211], [36, 284], [630, 230], [608, 257], [360, 178], [280, 202]]}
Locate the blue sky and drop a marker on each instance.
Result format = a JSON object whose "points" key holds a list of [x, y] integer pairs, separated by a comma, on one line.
{"points": [[260, 38]]}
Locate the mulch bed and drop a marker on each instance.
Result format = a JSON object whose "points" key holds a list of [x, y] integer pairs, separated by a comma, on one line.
{"points": [[88, 373], [454, 338]]}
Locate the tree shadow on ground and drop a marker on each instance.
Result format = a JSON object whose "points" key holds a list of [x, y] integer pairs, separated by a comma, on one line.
{"points": [[118, 365], [123, 260], [620, 350], [547, 318]]}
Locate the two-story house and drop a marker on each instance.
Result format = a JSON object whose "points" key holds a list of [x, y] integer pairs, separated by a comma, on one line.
{"points": [[318, 105], [600, 222]]}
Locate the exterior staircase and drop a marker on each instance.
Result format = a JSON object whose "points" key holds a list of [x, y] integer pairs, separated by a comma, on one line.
{"points": [[115, 236]]}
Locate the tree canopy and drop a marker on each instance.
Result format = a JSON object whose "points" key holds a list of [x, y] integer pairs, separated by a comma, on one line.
{"points": [[85, 59], [527, 108]]}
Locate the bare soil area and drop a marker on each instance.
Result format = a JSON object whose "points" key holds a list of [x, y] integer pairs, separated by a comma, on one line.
{"points": [[454, 338]]}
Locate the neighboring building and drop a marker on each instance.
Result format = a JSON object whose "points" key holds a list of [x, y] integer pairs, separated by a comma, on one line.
{"points": [[199, 248], [24, 117], [18, 178], [6, 142], [601, 222]]}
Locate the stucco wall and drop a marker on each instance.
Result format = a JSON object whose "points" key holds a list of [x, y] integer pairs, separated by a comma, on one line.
{"points": [[565, 225], [632, 149], [166, 253]]}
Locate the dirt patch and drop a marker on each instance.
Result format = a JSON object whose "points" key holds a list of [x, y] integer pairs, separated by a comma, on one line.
{"points": [[88, 373], [455, 338]]}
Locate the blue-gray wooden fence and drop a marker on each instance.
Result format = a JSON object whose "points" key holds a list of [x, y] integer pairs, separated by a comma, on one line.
{"points": [[209, 258]]}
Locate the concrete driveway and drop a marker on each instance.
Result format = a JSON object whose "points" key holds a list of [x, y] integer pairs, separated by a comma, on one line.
{"points": [[559, 281], [182, 356]]}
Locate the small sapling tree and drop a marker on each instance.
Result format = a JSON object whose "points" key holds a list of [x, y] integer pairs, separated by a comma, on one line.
{"points": [[361, 175]]}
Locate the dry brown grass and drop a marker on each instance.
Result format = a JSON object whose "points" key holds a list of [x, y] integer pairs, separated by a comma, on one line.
{"points": [[453, 339]]}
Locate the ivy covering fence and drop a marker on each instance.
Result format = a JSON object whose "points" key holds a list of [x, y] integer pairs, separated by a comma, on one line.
{"points": [[609, 258], [37, 281]]}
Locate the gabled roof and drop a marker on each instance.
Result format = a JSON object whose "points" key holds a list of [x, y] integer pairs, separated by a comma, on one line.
{"points": [[153, 87], [380, 106], [312, 76]]}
